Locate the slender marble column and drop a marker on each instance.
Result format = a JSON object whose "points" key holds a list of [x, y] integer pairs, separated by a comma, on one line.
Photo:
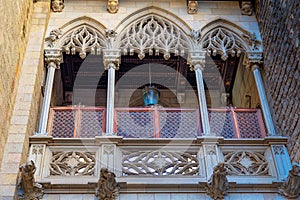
{"points": [[53, 58], [202, 100], [263, 100], [197, 62], [110, 99], [111, 60]]}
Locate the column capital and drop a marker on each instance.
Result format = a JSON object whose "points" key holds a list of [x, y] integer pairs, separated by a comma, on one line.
{"points": [[196, 60], [111, 58], [53, 58], [253, 60]]}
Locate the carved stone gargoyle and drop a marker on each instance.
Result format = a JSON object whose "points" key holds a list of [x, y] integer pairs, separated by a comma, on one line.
{"points": [[30, 190], [218, 185], [291, 185], [107, 186]]}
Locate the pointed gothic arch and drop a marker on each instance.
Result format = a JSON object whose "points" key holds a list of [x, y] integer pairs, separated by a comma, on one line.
{"points": [[149, 31], [223, 37], [82, 35]]}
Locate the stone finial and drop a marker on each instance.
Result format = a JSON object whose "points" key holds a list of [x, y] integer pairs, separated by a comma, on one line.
{"points": [[291, 185], [218, 185], [246, 8], [57, 5], [29, 188], [112, 6], [107, 185], [192, 7]]}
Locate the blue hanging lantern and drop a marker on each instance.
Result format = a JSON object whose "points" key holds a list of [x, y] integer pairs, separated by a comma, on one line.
{"points": [[150, 95]]}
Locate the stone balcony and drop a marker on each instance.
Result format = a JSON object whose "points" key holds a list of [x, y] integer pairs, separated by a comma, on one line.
{"points": [[149, 154]]}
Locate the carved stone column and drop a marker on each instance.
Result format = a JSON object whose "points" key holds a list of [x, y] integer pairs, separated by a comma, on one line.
{"points": [[197, 62], [254, 61], [53, 58], [111, 59]]}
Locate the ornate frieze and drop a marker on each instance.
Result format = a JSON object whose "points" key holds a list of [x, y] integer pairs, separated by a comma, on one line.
{"points": [[72, 163], [30, 190], [112, 6], [152, 34], [223, 42], [218, 185], [107, 186], [84, 39], [57, 5], [291, 185], [246, 163], [192, 7], [160, 163]]}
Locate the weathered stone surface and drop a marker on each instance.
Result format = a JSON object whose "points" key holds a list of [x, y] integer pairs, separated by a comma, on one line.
{"points": [[279, 25]]}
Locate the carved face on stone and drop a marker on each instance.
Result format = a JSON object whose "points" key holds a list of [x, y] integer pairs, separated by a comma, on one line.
{"points": [[57, 5], [113, 6]]}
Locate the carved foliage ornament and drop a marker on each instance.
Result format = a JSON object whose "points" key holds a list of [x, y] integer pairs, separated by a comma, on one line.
{"points": [[218, 185], [160, 163], [72, 163], [222, 42], [84, 39], [246, 163], [152, 34], [107, 186], [246, 7], [29, 188], [291, 185]]}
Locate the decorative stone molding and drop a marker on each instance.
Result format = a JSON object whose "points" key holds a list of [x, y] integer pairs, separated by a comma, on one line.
{"points": [[246, 163], [53, 57], [196, 59], [153, 34], [57, 5], [29, 188], [107, 186], [291, 185], [252, 41], [72, 163], [111, 58], [218, 185], [160, 163], [112, 6], [192, 7], [246, 7]]}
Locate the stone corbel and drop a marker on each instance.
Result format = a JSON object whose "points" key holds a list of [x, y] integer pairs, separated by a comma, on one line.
{"points": [[111, 58], [192, 7], [57, 5], [291, 185], [107, 186], [112, 6], [218, 185], [30, 190], [246, 7]]}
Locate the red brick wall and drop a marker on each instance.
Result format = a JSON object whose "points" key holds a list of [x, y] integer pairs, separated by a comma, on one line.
{"points": [[279, 22]]}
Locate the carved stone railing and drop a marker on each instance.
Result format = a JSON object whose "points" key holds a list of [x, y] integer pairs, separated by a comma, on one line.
{"points": [[75, 163], [154, 122]]}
